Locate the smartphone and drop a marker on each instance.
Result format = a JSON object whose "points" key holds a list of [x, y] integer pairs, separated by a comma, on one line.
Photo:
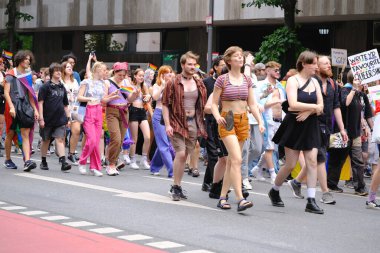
{"points": [[93, 52]]}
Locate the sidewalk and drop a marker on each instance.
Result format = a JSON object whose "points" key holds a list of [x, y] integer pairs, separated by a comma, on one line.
{"points": [[19, 233]]}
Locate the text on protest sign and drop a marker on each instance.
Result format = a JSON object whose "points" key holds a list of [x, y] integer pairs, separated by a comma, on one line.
{"points": [[374, 96], [338, 57], [366, 66]]}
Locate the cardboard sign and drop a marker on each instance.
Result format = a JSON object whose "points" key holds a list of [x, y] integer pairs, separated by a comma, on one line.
{"points": [[366, 66], [338, 57]]}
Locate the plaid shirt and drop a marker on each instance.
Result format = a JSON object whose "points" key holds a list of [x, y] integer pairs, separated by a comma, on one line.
{"points": [[173, 97]]}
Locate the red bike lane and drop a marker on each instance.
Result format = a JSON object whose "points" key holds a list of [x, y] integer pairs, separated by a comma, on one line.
{"points": [[19, 233]]}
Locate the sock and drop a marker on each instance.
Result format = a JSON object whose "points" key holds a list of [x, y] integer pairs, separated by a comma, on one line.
{"points": [[272, 172], [143, 157], [43, 159], [296, 182], [62, 159], [133, 159], [311, 193], [276, 188], [371, 196]]}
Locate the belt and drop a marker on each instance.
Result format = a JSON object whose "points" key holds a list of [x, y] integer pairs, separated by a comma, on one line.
{"points": [[121, 111], [277, 120], [190, 118]]}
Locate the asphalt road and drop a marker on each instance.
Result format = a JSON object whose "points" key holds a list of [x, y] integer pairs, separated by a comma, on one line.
{"points": [[137, 203]]}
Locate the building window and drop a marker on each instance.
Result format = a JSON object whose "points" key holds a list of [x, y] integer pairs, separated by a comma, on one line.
{"points": [[105, 42], [67, 41], [148, 42]]}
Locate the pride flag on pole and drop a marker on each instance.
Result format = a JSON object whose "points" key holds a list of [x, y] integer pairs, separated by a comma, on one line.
{"points": [[152, 67], [7, 54]]}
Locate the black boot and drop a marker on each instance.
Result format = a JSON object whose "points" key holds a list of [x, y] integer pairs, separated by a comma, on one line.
{"points": [[216, 189], [244, 192], [312, 207], [275, 198]]}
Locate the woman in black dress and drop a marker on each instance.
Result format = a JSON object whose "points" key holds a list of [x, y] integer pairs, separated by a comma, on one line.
{"points": [[300, 130]]}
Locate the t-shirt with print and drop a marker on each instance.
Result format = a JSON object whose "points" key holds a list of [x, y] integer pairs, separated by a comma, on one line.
{"points": [[55, 100]]}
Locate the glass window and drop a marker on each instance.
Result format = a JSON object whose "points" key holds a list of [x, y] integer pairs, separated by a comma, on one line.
{"points": [[148, 42], [105, 42]]}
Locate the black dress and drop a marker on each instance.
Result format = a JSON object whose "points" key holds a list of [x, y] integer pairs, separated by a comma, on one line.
{"points": [[304, 135]]}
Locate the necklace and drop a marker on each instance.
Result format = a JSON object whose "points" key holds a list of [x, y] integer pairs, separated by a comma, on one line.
{"points": [[187, 78]]}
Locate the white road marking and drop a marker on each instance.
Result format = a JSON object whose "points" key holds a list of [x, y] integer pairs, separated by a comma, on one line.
{"points": [[164, 245], [78, 224], [106, 230], [30, 213], [136, 237], [55, 218], [3, 203], [20, 157], [119, 193], [197, 251], [12, 208]]}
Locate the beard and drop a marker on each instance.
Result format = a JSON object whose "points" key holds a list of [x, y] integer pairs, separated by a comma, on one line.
{"points": [[325, 73]]}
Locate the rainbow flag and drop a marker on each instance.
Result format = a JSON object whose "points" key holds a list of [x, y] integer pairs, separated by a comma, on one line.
{"points": [[198, 66], [151, 66], [7, 54], [127, 89]]}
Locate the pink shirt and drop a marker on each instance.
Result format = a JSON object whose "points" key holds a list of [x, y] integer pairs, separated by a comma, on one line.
{"points": [[233, 92]]}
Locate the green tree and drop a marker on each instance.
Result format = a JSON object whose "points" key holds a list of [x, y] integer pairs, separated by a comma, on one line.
{"points": [[13, 16], [283, 43]]}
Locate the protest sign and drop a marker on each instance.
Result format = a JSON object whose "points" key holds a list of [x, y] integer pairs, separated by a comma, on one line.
{"points": [[366, 66], [338, 57]]}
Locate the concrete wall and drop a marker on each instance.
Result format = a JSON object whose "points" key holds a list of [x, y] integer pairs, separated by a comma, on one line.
{"points": [[134, 14]]}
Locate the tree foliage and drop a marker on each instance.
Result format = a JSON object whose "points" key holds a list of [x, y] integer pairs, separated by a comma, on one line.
{"points": [[277, 44]]}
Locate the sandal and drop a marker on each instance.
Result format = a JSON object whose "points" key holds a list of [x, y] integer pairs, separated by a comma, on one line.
{"points": [[223, 204], [195, 172], [243, 205], [190, 172]]}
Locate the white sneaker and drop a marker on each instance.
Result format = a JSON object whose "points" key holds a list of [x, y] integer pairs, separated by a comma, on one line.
{"points": [[155, 173], [111, 171], [127, 160], [88, 160], [146, 165], [257, 173], [82, 169], [134, 166], [247, 185], [96, 173]]}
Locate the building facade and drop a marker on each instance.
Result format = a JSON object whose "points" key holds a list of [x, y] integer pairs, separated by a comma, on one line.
{"points": [[159, 31]]}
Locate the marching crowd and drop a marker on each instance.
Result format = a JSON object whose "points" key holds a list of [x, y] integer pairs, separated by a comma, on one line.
{"points": [[248, 121]]}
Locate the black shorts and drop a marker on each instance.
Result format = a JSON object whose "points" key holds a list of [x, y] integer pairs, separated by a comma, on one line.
{"points": [[2, 106], [137, 114], [221, 149]]}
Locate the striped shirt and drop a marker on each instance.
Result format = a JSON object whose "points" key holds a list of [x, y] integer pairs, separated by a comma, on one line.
{"points": [[233, 92]]}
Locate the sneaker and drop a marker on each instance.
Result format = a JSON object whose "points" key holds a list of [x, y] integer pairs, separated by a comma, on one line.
{"points": [[65, 166], [134, 166], [155, 173], [174, 193], [127, 160], [146, 165], [372, 205], [275, 198], [29, 165], [177, 193], [44, 166], [296, 189], [367, 174], [257, 173], [73, 159], [119, 167], [349, 184], [76, 155], [247, 185], [111, 171], [361, 192], [335, 189], [82, 169], [9, 164], [96, 173], [328, 198]]}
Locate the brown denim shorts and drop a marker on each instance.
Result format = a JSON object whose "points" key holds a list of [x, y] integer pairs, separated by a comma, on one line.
{"points": [[181, 143], [240, 129]]}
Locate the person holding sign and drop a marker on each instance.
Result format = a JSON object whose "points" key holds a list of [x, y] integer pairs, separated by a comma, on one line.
{"points": [[351, 106]]}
